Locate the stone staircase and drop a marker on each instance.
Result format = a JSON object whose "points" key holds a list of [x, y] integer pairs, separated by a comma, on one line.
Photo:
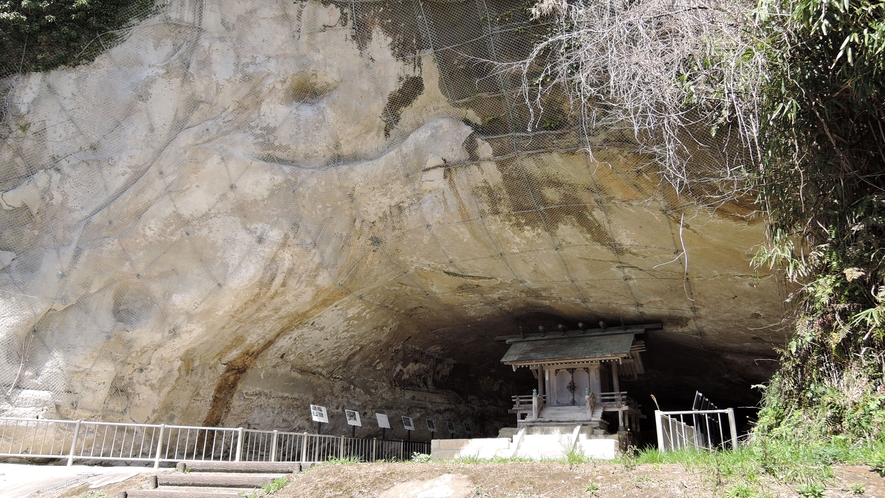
{"points": [[214, 479]]}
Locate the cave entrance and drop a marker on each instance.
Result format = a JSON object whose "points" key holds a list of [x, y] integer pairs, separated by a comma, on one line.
{"points": [[578, 374]]}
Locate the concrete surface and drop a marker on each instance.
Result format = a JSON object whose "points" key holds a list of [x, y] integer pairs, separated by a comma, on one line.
{"points": [[21, 480]]}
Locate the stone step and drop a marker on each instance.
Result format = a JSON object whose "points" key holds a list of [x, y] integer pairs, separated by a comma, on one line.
{"points": [[216, 480], [246, 467], [185, 493], [567, 414]]}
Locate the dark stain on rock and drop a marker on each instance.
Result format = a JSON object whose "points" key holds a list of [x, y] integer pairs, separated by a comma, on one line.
{"points": [[469, 277], [524, 197], [470, 145], [132, 305], [229, 381], [399, 99], [397, 21], [493, 198], [449, 175], [308, 87]]}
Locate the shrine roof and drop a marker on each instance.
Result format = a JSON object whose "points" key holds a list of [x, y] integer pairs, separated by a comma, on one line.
{"points": [[571, 345]]}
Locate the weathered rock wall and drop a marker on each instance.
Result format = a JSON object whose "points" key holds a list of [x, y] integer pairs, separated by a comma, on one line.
{"points": [[248, 207]]}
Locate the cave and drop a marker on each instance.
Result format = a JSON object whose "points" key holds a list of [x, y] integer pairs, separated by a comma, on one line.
{"points": [[245, 208]]}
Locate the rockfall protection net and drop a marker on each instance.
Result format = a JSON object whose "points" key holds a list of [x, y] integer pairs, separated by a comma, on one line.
{"points": [[519, 254]]}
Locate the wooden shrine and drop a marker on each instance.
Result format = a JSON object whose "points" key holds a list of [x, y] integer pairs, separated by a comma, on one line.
{"points": [[578, 374]]}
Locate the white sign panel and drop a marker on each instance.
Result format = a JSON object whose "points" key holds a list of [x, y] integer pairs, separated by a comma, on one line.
{"points": [[431, 425], [318, 414], [383, 422], [353, 418], [408, 424], [451, 427]]}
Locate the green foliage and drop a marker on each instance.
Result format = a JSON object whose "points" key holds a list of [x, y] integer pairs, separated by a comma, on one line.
{"points": [[420, 457], [801, 461], [822, 182], [277, 484], [40, 36], [811, 490], [877, 462], [574, 456], [341, 461], [741, 491]]}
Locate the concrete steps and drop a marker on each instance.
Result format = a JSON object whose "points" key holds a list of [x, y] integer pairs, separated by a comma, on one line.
{"points": [[215, 479]]}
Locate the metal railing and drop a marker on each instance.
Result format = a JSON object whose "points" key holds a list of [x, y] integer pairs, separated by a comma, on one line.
{"points": [[109, 441], [697, 429]]}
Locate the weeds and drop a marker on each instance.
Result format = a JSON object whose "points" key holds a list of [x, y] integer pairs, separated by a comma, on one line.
{"points": [[575, 456], [277, 484], [811, 490], [268, 489]]}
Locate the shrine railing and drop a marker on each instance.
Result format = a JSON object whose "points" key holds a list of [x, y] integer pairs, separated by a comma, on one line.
{"points": [[610, 399], [616, 399], [107, 441], [524, 401]]}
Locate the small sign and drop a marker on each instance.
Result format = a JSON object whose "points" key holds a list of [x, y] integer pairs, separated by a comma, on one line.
{"points": [[467, 428], [450, 426], [353, 418], [318, 414], [408, 424], [383, 421], [431, 425]]}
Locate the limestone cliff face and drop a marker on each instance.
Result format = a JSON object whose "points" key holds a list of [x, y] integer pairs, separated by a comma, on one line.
{"points": [[251, 206]]}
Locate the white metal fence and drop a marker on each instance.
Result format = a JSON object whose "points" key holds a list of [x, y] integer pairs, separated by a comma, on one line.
{"points": [[698, 429], [107, 441]]}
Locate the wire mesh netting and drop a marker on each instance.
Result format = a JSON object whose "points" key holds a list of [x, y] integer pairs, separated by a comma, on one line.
{"points": [[228, 165]]}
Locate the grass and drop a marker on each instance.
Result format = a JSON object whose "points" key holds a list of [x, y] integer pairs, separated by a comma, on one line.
{"points": [[277, 484], [805, 465], [268, 489]]}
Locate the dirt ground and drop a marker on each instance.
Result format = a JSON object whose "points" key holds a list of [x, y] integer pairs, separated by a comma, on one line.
{"points": [[554, 480], [512, 480]]}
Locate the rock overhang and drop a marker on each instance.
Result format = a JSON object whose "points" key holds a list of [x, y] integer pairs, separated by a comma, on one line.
{"points": [[247, 228]]}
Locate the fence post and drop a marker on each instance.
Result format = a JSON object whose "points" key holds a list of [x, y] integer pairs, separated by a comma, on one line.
{"points": [[341, 449], [273, 449], [239, 444], [74, 443], [660, 431], [734, 435], [159, 447], [304, 448], [373, 450]]}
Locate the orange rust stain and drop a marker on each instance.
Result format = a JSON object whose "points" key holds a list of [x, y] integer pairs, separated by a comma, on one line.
{"points": [[229, 381]]}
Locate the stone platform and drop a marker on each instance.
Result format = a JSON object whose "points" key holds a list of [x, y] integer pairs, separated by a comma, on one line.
{"points": [[536, 443]]}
